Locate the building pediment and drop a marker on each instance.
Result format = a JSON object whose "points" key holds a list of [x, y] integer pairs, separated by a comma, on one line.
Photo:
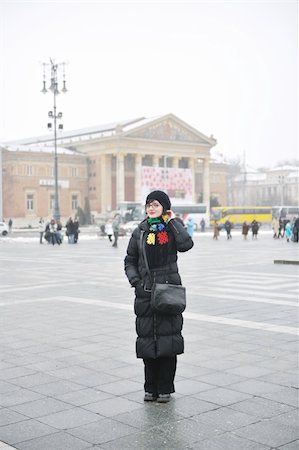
{"points": [[168, 128]]}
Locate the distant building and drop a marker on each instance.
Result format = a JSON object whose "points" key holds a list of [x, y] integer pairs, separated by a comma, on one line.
{"points": [[107, 164], [278, 186], [28, 181]]}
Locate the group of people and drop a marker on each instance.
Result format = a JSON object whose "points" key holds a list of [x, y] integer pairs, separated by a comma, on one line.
{"points": [[286, 228], [228, 225], [52, 231]]}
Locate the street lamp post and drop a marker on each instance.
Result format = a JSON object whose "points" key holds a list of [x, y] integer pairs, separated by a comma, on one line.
{"points": [[281, 182], [54, 116]]}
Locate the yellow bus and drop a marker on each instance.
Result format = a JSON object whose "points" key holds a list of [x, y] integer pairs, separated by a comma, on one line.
{"points": [[239, 214]]}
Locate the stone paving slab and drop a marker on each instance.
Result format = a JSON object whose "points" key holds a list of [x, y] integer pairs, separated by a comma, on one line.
{"points": [[69, 376]]}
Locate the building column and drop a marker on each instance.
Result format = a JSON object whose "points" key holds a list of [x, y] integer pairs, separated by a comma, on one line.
{"points": [[191, 165], [106, 183], [138, 178], [156, 159], [175, 162], [206, 183], [120, 177]]}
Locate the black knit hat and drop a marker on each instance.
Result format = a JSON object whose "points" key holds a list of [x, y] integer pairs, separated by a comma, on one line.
{"points": [[162, 198]]}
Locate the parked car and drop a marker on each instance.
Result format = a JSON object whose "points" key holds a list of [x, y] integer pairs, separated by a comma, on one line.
{"points": [[128, 228], [3, 229]]}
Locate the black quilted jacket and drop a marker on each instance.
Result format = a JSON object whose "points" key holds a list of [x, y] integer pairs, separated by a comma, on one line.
{"points": [[157, 335]]}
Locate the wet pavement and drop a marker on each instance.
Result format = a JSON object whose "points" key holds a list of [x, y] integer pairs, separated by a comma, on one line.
{"points": [[69, 376]]}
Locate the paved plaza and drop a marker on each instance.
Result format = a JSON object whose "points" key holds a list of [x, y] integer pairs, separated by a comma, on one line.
{"points": [[69, 377]]}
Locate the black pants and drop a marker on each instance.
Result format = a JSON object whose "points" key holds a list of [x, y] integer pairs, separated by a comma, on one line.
{"points": [[115, 239], [159, 375]]}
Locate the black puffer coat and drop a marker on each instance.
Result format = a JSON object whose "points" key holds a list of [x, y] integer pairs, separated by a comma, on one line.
{"points": [[157, 335]]}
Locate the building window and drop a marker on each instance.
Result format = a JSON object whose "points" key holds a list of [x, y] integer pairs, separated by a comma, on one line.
{"points": [[183, 163], [74, 171], [74, 201], [29, 171], [30, 202], [147, 160]]}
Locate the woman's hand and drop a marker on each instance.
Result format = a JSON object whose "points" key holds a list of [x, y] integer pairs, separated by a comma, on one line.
{"points": [[171, 214]]}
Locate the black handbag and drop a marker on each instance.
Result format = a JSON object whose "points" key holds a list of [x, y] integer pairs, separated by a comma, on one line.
{"points": [[166, 298]]}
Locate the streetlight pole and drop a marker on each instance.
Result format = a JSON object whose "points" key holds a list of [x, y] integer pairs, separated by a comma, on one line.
{"points": [[281, 182], [54, 116]]}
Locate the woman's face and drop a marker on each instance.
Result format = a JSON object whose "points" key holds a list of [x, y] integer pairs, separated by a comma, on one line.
{"points": [[154, 209]]}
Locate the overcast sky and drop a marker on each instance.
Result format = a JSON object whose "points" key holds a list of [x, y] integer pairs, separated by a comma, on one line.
{"points": [[227, 68]]}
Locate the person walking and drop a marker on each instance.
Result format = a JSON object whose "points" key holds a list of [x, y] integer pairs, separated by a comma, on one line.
{"points": [[190, 226], [76, 230], [296, 229], [41, 229], [202, 225], [115, 228], [245, 229], [216, 229], [53, 233], [228, 226], [254, 228], [109, 229], [275, 228], [281, 228], [10, 222], [70, 231], [159, 339], [288, 231]]}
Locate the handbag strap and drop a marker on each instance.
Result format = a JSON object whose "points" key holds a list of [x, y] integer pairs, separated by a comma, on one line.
{"points": [[143, 252]]}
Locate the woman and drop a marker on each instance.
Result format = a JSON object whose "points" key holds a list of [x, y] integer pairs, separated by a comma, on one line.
{"points": [[159, 338], [245, 229], [216, 230], [41, 229]]}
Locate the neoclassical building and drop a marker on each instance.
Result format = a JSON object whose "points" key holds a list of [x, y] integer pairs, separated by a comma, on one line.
{"points": [[124, 161]]}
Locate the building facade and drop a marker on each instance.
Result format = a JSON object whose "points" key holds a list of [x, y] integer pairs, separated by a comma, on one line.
{"points": [[28, 182], [108, 164], [278, 186]]}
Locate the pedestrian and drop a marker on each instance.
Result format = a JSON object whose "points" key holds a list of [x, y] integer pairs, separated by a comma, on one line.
{"points": [[109, 229], [281, 227], [202, 225], [216, 230], [245, 229], [76, 230], [70, 231], [53, 233], [288, 231], [190, 226], [159, 340], [254, 228], [10, 225], [228, 226], [59, 236], [41, 229], [275, 228], [115, 228], [296, 229]]}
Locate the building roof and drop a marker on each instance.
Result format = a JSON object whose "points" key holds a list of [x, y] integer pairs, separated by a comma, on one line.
{"points": [[127, 128], [87, 133], [285, 168], [259, 176], [39, 148]]}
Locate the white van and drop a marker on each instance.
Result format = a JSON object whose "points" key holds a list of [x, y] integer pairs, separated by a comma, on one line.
{"points": [[3, 229]]}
